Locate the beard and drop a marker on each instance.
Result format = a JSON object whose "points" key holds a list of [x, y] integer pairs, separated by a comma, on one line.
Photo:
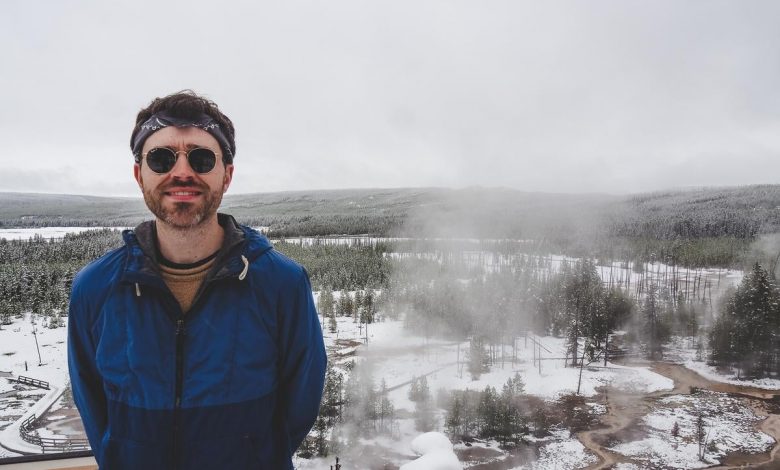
{"points": [[184, 215]]}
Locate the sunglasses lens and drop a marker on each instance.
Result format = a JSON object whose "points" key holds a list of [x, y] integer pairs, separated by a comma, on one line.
{"points": [[161, 160], [202, 160]]}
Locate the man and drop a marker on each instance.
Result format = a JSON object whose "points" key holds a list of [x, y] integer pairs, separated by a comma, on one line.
{"points": [[196, 345]]}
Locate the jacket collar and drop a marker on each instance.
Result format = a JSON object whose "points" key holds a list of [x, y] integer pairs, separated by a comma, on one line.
{"points": [[240, 241]]}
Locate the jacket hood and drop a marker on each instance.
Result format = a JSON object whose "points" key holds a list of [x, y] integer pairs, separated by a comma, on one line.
{"points": [[240, 246]]}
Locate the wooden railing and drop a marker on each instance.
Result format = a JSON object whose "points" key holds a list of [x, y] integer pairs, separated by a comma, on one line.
{"points": [[33, 382], [49, 444]]}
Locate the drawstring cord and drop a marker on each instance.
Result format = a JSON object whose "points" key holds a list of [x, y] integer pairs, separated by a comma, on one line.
{"points": [[246, 268], [240, 276]]}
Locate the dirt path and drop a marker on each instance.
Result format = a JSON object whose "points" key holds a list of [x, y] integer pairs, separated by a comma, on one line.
{"points": [[624, 410], [685, 378], [620, 415]]}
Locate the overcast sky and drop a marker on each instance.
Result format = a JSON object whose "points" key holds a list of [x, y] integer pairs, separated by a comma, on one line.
{"points": [[590, 96]]}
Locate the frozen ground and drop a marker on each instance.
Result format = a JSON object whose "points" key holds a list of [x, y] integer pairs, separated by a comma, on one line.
{"points": [[435, 453], [18, 347], [680, 350], [19, 356], [395, 355], [728, 427], [564, 453]]}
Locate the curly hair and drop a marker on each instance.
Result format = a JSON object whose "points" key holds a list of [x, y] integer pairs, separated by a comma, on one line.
{"points": [[188, 104]]}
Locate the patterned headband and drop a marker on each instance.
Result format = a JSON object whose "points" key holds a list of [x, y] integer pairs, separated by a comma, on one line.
{"points": [[163, 119]]}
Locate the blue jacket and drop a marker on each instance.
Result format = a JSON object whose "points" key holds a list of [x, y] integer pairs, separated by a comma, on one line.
{"points": [[235, 383]]}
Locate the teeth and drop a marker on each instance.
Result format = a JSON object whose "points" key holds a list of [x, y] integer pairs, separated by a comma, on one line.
{"points": [[183, 193]]}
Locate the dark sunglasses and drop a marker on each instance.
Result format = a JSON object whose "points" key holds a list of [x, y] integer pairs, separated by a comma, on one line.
{"points": [[162, 159]]}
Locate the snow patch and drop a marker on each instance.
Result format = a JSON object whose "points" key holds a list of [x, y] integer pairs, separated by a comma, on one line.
{"points": [[430, 441], [435, 460], [435, 451], [728, 424]]}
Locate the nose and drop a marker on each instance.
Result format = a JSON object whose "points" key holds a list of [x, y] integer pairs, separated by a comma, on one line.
{"points": [[182, 169]]}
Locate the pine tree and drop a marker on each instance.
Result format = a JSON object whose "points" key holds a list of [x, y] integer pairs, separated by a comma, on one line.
{"points": [[358, 311], [655, 329], [425, 390], [584, 306], [386, 409], [454, 421], [478, 358], [488, 413], [423, 415], [517, 384], [745, 333], [325, 303], [320, 444], [367, 313], [423, 407], [414, 390], [332, 399], [701, 435], [345, 306]]}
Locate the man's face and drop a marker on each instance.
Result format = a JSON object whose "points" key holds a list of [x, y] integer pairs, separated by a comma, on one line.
{"points": [[183, 198]]}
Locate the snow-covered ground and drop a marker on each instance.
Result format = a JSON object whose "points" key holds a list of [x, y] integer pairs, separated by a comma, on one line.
{"points": [[19, 356], [435, 453], [680, 350], [728, 427], [564, 452], [18, 347], [397, 356]]}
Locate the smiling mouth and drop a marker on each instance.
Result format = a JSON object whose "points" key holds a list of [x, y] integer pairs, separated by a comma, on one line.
{"points": [[183, 196], [182, 193]]}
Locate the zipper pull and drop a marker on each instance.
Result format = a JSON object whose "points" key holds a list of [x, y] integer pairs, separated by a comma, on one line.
{"points": [[180, 332]]}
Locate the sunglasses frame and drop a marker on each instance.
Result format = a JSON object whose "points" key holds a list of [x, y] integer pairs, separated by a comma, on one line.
{"points": [[176, 153]]}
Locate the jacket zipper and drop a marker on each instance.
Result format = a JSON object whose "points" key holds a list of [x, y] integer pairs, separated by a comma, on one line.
{"points": [[179, 385], [179, 359], [180, 333]]}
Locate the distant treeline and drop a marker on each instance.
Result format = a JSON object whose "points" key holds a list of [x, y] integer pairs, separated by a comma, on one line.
{"points": [[707, 213], [36, 274], [706, 227], [723, 252], [341, 267], [314, 225]]}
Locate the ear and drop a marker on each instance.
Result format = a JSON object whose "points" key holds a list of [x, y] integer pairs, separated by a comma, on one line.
{"points": [[137, 175], [228, 177]]}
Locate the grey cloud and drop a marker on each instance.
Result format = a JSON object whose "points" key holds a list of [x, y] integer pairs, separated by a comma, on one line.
{"points": [[544, 96]]}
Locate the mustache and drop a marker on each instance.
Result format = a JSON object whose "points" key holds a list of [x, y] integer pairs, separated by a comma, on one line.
{"points": [[183, 184]]}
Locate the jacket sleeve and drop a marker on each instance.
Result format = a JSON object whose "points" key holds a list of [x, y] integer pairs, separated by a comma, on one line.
{"points": [[84, 378], [303, 362]]}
